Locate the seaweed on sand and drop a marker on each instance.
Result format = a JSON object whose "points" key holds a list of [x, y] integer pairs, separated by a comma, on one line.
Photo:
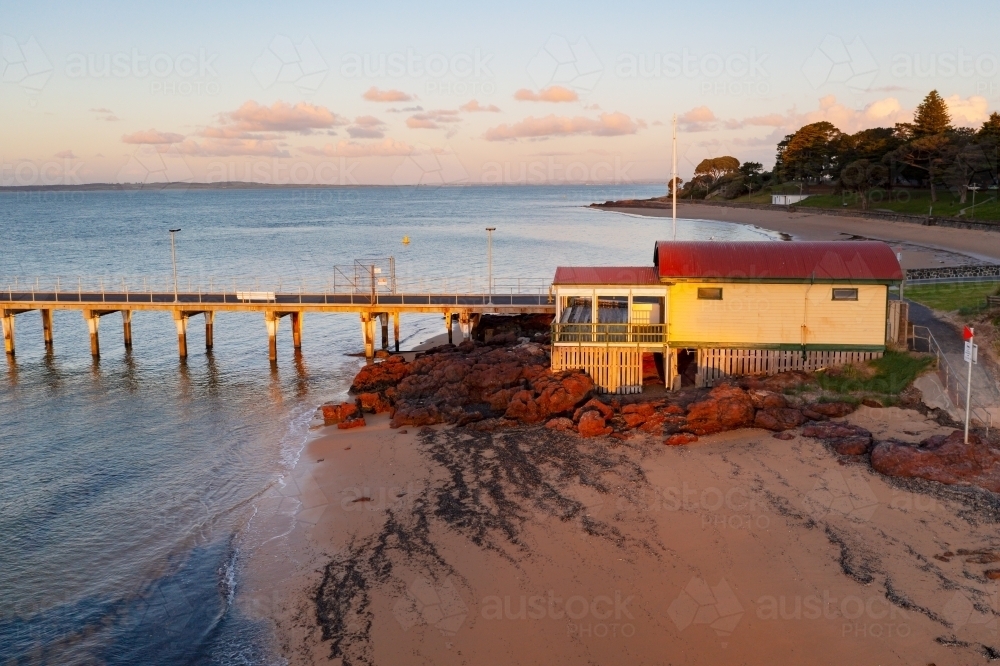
{"points": [[492, 485]]}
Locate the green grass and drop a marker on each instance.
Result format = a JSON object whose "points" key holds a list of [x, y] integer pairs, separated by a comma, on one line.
{"points": [[901, 200], [912, 202], [888, 375], [966, 297]]}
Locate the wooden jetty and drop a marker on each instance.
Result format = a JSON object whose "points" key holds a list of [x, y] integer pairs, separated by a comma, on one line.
{"points": [[374, 298]]}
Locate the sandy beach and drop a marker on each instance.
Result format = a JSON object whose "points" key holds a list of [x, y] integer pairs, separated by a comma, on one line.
{"points": [[922, 247], [445, 546]]}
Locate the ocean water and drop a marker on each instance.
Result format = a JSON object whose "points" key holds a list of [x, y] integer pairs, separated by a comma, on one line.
{"points": [[126, 483]]}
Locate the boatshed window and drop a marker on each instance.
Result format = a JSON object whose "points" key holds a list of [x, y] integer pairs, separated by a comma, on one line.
{"points": [[845, 294], [709, 293]]}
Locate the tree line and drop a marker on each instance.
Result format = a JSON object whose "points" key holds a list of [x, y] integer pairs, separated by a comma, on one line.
{"points": [[928, 153]]}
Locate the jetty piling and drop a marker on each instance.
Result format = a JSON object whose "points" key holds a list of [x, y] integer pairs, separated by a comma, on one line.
{"points": [[47, 327]]}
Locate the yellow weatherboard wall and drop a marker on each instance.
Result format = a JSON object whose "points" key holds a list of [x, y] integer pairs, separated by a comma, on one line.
{"points": [[772, 313]]}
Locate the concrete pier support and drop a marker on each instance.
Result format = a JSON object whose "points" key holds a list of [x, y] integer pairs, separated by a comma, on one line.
{"points": [[181, 322], [384, 320], [395, 329], [127, 328], [93, 320], [7, 318], [47, 327], [209, 329], [463, 325], [297, 318], [368, 331], [448, 326], [271, 320]]}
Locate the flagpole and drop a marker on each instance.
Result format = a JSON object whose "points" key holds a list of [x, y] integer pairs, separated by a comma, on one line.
{"points": [[673, 179]]}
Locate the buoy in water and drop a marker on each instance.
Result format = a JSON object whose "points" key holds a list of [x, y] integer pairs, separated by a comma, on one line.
{"points": [[406, 240]]}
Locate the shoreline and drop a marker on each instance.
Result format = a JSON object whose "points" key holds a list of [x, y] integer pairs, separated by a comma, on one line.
{"points": [[923, 246], [755, 521], [462, 545]]}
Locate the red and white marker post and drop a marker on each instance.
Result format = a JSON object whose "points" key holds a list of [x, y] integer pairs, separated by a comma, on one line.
{"points": [[970, 357]]}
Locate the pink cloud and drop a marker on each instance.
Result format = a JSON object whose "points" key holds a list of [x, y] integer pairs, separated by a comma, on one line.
{"points": [[607, 124], [282, 117], [473, 106], [969, 112], [550, 94], [373, 94], [387, 148], [66, 154], [367, 127], [430, 119], [152, 136], [225, 147]]}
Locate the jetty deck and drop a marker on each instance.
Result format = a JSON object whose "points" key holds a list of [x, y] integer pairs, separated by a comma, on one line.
{"points": [[374, 299]]}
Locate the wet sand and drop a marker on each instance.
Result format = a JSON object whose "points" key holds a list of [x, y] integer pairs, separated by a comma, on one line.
{"points": [[923, 247], [529, 546]]}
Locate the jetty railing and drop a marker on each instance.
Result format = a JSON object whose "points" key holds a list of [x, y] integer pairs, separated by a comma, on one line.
{"points": [[210, 289]]}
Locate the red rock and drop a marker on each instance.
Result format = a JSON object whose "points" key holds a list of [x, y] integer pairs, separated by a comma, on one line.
{"points": [[833, 410], [374, 403], [500, 400], [564, 391], [768, 400], [774, 418], [337, 412], [592, 425], [779, 382], [947, 460], [674, 410], [561, 423], [594, 404], [872, 402], [524, 408], [380, 376], [644, 409], [358, 422], [852, 446], [633, 419], [680, 438], [811, 415], [654, 424], [416, 416], [784, 435], [726, 408]]}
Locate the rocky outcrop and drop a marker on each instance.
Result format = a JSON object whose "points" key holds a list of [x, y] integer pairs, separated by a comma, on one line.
{"points": [[778, 418], [374, 403], [945, 459], [336, 412], [380, 376], [726, 407], [845, 438], [592, 424]]}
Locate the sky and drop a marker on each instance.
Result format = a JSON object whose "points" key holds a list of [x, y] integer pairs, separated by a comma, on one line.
{"points": [[461, 93]]}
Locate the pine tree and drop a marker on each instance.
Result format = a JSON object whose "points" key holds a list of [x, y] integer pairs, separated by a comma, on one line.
{"points": [[931, 117], [991, 128]]}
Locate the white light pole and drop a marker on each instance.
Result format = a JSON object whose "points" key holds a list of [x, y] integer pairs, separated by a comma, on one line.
{"points": [[673, 179], [489, 259], [974, 188], [173, 258]]}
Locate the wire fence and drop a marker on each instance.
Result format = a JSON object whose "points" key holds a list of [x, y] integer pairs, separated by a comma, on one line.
{"points": [[955, 381]]}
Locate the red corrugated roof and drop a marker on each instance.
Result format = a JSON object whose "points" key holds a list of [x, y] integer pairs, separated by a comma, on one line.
{"points": [[777, 260], [606, 275]]}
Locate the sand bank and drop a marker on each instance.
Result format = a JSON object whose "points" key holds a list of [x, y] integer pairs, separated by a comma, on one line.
{"points": [[923, 247], [529, 546]]}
